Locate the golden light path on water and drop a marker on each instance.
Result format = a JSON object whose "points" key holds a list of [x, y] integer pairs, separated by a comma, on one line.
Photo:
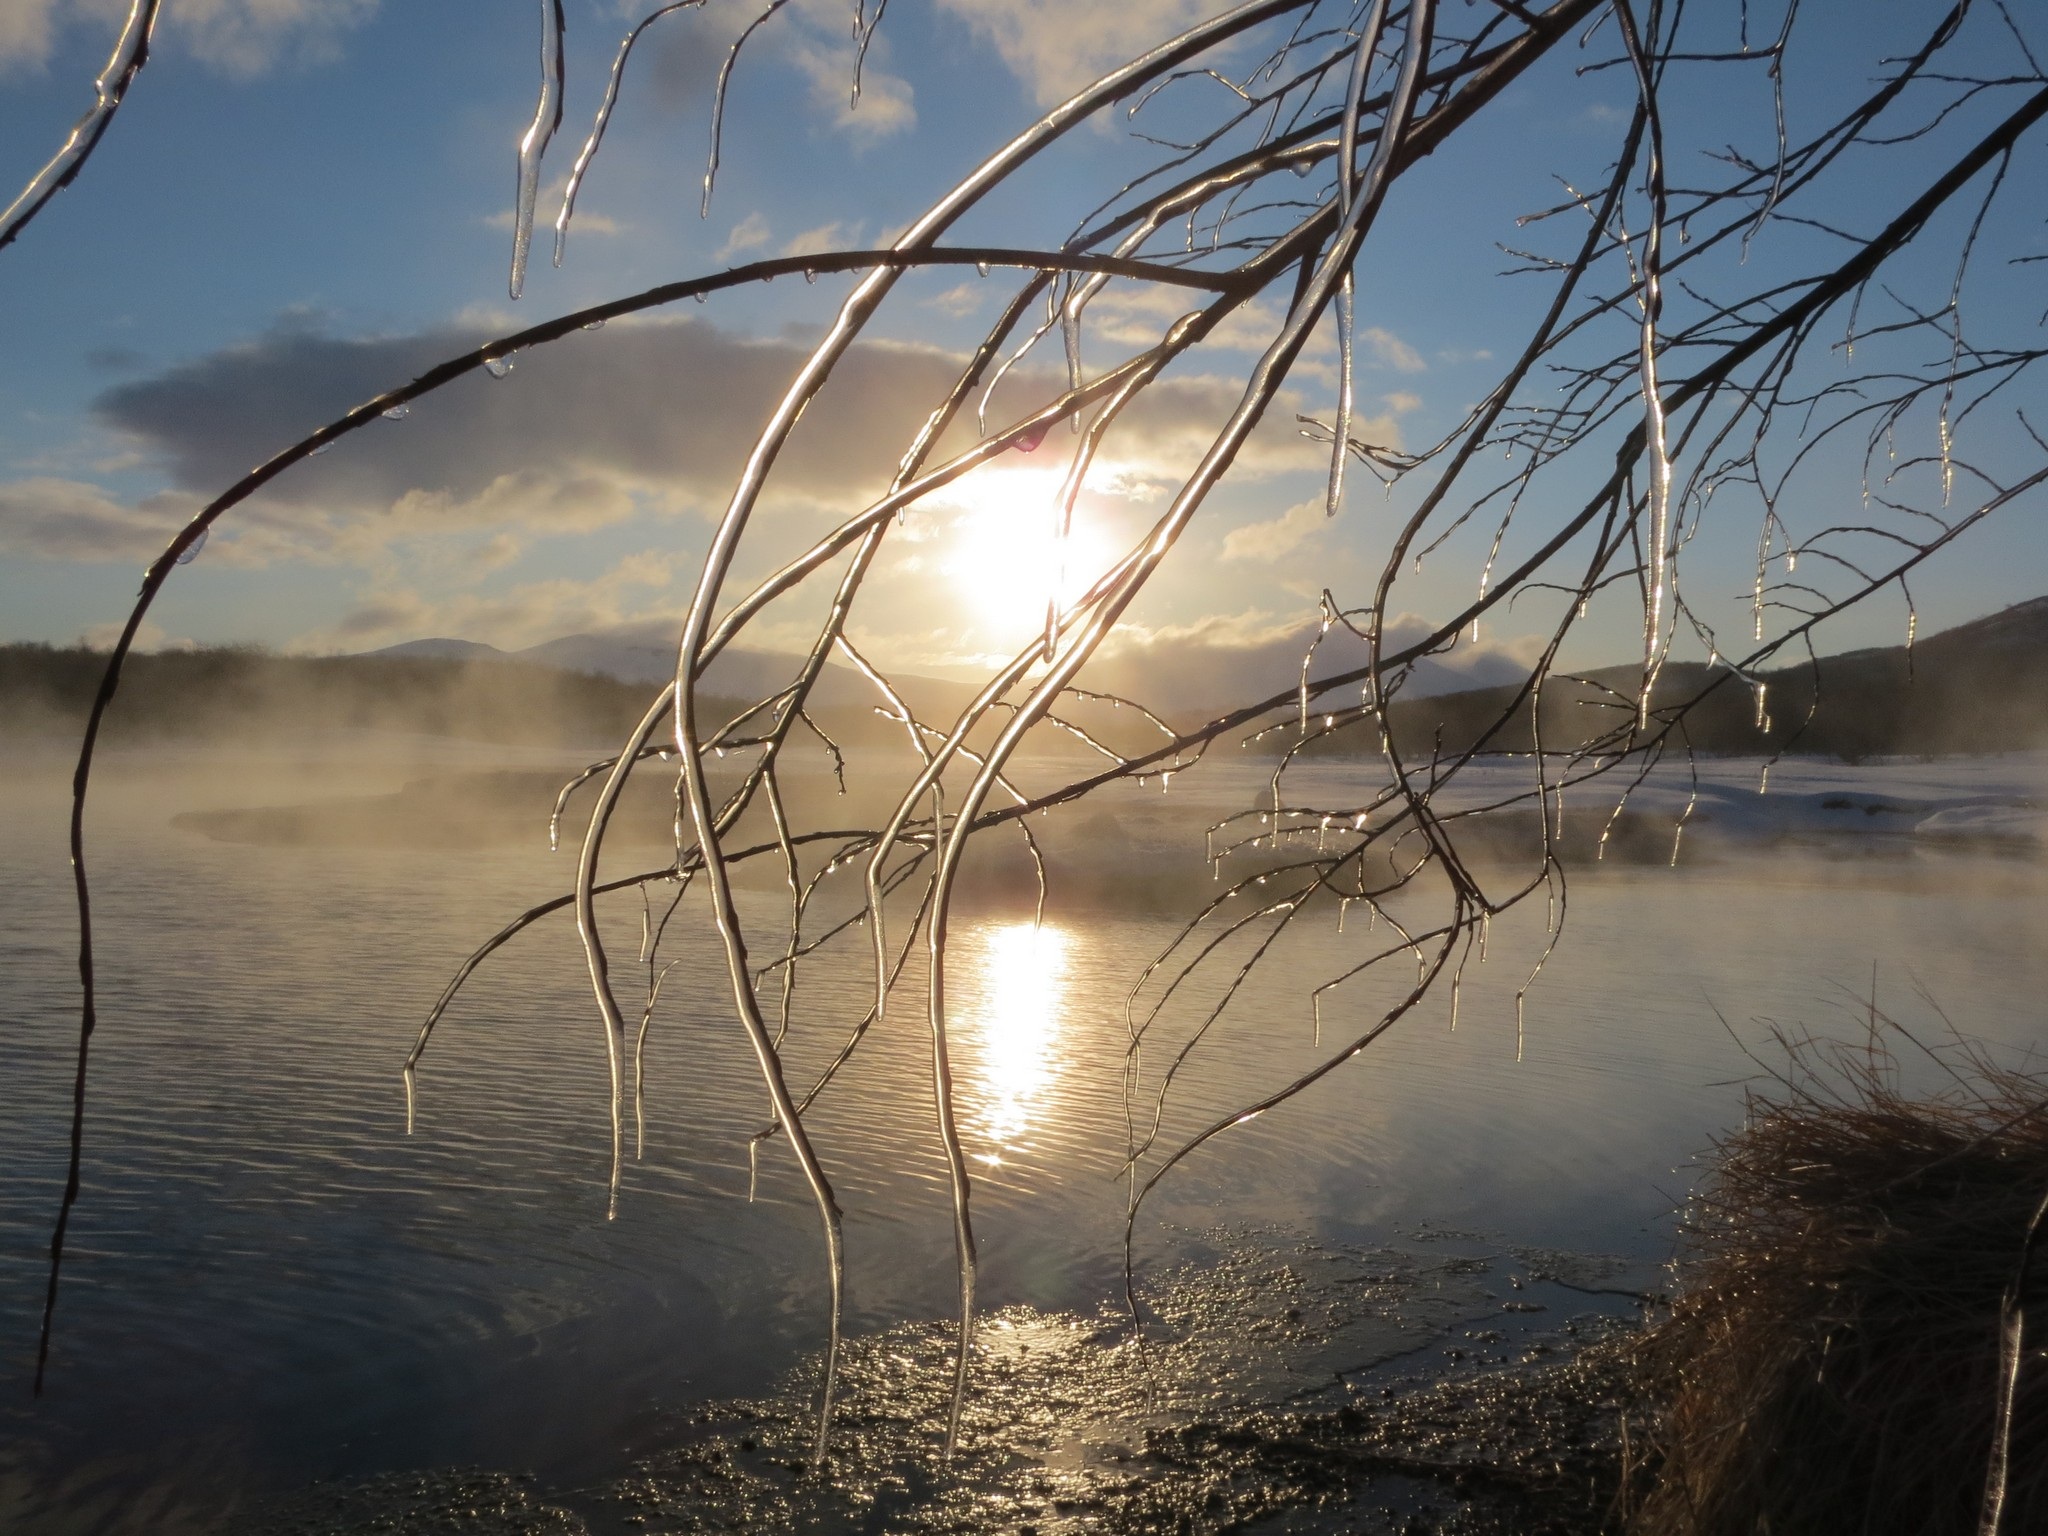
{"points": [[1018, 982]]}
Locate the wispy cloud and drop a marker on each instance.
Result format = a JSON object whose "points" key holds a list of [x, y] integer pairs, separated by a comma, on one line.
{"points": [[750, 234], [1390, 351], [1057, 46], [1278, 536], [237, 37], [960, 299], [838, 235], [650, 418], [55, 519], [825, 56], [548, 203]]}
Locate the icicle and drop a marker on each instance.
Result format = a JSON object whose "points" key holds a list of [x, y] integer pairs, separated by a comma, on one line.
{"points": [[604, 117], [1762, 719], [398, 413], [981, 267], [191, 551], [1763, 783], [1070, 338], [1948, 468], [319, 448], [1317, 1000], [1333, 496], [594, 325], [1454, 1004], [1659, 554], [732, 56], [547, 117], [497, 367], [1520, 997], [407, 1074], [753, 1166]]}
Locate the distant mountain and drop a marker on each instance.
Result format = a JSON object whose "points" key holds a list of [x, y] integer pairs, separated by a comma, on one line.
{"points": [[442, 650], [1202, 675], [1979, 687], [646, 653], [1186, 676]]}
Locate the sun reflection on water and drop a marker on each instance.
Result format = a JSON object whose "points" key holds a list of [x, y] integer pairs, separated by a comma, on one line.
{"points": [[1018, 993]]}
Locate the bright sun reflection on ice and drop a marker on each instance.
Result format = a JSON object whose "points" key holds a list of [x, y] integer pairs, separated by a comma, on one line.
{"points": [[1018, 983]]}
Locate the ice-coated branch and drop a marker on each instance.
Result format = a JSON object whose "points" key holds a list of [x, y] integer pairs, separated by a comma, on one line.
{"points": [[131, 52]]}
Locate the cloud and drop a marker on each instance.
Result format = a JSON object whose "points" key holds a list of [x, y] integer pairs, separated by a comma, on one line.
{"points": [[825, 57], [1057, 46], [750, 234], [640, 586], [237, 37], [1130, 315], [646, 417], [1390, 351], [52, 519], [960, 299], [835, 236], [547, 205], [1280, 536], [25, 32], [810, 37]]}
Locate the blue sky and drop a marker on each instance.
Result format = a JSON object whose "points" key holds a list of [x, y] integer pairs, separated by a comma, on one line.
{"points": [[306, 200]]}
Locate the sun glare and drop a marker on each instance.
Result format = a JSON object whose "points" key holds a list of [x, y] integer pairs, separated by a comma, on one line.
{"points": [[1005, 559], [1018, 987]]}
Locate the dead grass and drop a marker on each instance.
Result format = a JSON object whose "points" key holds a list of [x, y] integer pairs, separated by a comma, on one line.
{"points": [[1858, 1261]]}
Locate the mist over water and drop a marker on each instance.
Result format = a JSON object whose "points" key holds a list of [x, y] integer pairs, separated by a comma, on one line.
{"points": [[270, 1283]]}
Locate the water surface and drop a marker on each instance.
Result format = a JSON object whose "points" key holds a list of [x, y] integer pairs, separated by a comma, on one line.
{"points": [[270, 1283]]}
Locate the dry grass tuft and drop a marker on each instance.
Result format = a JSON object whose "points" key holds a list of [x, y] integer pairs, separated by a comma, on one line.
{"points": [[1860, 1286]]}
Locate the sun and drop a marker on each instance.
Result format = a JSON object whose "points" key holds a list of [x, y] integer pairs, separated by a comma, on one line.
{"points": [[1004, 559]]}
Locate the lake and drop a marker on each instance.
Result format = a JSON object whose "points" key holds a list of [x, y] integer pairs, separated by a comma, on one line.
{"points": [[270, 1283]]}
